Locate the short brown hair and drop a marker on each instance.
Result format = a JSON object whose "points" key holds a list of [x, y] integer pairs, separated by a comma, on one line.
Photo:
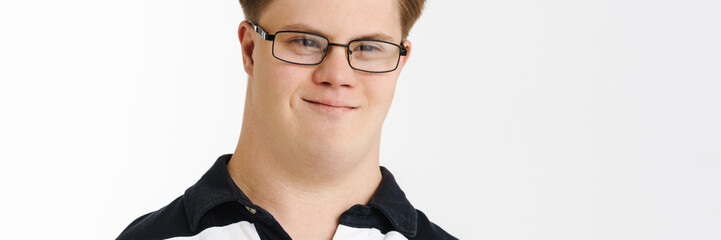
{"points": [[410, 11]]}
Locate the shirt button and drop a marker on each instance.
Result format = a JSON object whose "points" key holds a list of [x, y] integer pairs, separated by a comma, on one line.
{"points": [[252, 211]]}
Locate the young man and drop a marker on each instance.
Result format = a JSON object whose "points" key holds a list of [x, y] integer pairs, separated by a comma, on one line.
{"points": [[321, 78]]}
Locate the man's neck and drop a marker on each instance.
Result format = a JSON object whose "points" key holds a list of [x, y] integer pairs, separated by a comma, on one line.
{"points": [[306, 194]]}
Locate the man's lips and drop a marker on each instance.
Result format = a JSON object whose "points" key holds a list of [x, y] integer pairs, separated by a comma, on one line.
{"points": [[330, 105]]}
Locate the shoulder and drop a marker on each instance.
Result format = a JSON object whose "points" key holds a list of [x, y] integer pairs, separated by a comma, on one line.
{"points": [[169, 221], [429, 230]]}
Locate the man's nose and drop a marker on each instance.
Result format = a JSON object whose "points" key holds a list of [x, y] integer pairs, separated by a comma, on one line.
{"points": [[335, 70]]}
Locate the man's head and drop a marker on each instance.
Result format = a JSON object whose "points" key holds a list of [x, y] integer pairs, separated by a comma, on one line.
{"points": [[328, 109]]}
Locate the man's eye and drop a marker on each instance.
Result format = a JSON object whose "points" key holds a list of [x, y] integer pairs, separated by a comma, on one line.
{"points": [[367, 48], [306, 42]]}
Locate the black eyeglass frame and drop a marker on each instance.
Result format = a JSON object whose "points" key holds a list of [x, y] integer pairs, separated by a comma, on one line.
{"points": [[271, 37]]}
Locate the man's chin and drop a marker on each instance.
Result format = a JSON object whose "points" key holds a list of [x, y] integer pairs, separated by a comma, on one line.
{"points": [[330, 143]]}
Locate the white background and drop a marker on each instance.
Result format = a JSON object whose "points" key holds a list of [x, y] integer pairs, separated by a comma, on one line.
{"points": [[519, 119]]}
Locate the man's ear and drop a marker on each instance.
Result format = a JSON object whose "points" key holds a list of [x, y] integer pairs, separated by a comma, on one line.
{"points": [[404, 59], [247, 44]]}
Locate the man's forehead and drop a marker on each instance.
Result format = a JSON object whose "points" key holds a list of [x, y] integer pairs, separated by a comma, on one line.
{"points": [[347, 19]]}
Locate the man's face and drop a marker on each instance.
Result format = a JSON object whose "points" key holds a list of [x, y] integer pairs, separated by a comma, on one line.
{"points": [[327, 107]]}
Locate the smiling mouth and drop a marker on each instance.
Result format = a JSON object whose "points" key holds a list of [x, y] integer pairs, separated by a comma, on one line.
{"points": [[325, 107]]}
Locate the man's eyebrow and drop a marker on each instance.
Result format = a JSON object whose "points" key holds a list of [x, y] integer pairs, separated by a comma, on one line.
{"points": [[305, 28], [301, 27], [377, 36]]}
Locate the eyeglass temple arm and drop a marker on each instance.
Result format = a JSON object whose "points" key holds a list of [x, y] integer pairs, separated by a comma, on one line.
{"points": [[262, 32]]}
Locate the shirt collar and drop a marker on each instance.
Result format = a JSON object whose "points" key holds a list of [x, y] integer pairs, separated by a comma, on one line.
{"points": [[392, 202], [216, 187]]}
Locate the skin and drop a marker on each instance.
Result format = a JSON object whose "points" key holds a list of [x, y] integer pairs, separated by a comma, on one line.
{"points": [[309, 144]]}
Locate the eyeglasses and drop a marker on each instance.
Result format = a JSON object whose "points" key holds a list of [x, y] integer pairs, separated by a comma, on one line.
{"points": [[303, 48]]}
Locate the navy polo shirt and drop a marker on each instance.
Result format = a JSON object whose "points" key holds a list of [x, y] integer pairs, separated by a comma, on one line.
{"points": [[215, 208]]}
